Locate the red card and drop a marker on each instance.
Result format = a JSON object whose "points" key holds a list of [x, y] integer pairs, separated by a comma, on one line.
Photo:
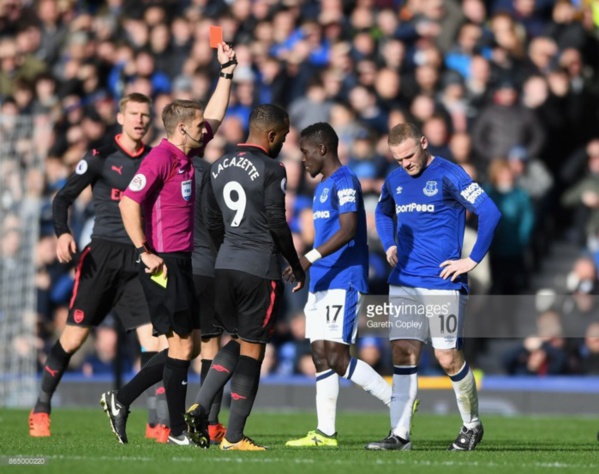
{"points": [[216, 36]]}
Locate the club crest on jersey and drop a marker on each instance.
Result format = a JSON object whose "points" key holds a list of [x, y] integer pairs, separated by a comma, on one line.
{"points": [[325, 194], [186, 189], [431, 188]]}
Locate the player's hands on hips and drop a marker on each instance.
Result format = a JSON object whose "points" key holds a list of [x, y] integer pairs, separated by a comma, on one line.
{"points": [[455, 268], [392, 255], [153, 263], [66, 248]]}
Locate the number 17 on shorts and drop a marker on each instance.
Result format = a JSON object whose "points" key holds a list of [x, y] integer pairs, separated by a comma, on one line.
{"points": [[332, 315]]}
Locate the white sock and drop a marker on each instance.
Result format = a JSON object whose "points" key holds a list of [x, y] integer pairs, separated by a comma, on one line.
{"points": [[327, 392], [360, 373], [466, 394], [405, 389]]}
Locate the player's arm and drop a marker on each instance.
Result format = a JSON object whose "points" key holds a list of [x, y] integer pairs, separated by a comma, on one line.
{"points": [[345, 198], [274, 204], [85, 174], [216, 107], [211, 213], [385, 224], [132, 220], [472, 197]]}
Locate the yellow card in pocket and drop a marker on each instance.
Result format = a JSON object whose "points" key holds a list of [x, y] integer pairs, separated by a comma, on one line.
{"points": [[159, 278]]}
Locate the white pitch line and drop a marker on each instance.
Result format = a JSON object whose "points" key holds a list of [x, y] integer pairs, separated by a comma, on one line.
{"points": [[272, 460]]}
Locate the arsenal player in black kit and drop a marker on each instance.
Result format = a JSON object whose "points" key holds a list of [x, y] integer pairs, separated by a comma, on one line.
{"points": [[107, 273], [246, 205]]}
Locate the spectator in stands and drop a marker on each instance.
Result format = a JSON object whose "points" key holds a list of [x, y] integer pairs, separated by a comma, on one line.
{"points": [[512, 237]]}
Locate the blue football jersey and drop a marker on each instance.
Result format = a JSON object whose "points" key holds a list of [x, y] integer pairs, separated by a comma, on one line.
{"points": [[347, 267], [431, 216]]}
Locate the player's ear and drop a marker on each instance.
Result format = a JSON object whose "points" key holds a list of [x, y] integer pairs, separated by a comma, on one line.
{"points": [[322, 149], [120, 118], [272, 135], [424, 143]]}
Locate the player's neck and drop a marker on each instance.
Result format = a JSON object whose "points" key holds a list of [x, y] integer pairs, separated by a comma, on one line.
{"points": [[329, 168], [131, 146]]}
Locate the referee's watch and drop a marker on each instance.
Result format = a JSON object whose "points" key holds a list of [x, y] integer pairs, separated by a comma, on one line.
{"points": [[143, 249]]}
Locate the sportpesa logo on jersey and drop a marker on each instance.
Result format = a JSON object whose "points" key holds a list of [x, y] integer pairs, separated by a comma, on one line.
{"points": [[472, 192], [413, 207], [346, 196], [321, 215]]}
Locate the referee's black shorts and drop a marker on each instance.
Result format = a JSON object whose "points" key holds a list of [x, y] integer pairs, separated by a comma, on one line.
{"points": [[205, 296], [172, 308], [106, 278], [247, 305]]}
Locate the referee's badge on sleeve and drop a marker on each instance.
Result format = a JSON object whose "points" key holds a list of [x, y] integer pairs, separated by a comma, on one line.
{"points": [[138, 182], [186, 189]]}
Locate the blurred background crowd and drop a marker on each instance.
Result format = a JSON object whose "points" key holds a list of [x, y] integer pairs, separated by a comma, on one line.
{"points": [[508, 89]]}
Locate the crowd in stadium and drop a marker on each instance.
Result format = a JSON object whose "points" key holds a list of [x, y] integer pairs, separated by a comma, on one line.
{"points": [[506, 88]]}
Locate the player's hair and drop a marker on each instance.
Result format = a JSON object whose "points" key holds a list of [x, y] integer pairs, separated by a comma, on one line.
{"points": [[133, 97], [267, 117], [179, 111], [321, 133], [400, 133]]}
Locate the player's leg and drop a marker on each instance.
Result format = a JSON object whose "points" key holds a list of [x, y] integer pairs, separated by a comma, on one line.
{"points": [[341, 310], [446, 337], [211, 330], [56, 364], [244, 387], [257, 301], [224, 362], [92, 299], [327, 380], [408, 331]]}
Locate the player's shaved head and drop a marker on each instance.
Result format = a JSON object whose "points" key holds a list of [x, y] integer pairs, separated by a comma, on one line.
{"points": [[321, 133], [267, 117], [402, 132]]}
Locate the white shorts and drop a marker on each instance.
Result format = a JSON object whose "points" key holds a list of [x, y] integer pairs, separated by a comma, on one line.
{"points": [[422, 314], [332, 315]]}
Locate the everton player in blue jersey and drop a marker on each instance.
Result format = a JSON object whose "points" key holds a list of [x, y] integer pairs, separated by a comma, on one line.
{"points": [[338, 279], [428, 285]]}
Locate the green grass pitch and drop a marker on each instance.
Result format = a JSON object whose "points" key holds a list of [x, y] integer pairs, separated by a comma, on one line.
{"points": [[82, 442]]}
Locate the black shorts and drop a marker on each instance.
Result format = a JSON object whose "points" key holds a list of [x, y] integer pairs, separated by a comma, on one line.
{"points": [[204, 290], [173, 308], [107, 278], [247, 305]]}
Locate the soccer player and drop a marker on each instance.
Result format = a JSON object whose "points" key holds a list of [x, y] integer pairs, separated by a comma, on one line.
{"points": [[165, 191], [203, 259], [429, 196], [338, 266], [106, 276], [246, 201]]}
